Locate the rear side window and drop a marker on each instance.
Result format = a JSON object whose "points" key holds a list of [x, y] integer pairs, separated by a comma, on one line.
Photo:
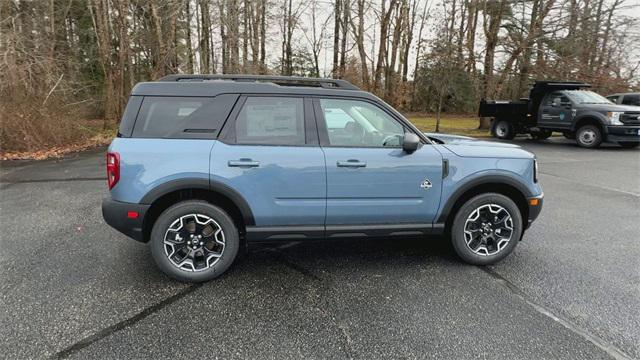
{"points": [[271, 121], [631, 100], [182, 117]]}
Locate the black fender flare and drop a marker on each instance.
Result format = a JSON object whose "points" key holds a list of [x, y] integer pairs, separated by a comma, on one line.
{"points": [[494, 179], [202, 184], [589, 115]]}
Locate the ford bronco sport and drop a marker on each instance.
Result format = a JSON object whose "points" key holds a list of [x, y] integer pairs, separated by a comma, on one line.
{"points": [[205, 164]]}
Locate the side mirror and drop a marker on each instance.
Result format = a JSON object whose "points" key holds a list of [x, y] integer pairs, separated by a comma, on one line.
{"points": [[410, 143], [556, 102]]}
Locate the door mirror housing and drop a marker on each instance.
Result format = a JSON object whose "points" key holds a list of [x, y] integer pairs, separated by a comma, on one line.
{"points": [[410, 143]]}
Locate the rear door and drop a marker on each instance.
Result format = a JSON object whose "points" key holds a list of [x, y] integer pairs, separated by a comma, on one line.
{"points": [[268, 152], [370, 179]]}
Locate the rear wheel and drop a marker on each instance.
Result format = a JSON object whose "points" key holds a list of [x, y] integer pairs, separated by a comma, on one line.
{"points": [[486, 229], [194, 241], [629, 145], [503, 130], [589, 136]]}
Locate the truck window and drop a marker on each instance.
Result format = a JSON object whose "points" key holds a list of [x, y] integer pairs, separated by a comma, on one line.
{"points": [[613, 98], [633, 99], [564, 100]]}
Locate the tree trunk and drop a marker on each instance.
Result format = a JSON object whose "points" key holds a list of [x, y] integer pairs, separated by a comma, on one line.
{"points": [[337, 16], [189, 40], [493, 12], [382, 49], [359, 39], [346, 14], [263, 36]]}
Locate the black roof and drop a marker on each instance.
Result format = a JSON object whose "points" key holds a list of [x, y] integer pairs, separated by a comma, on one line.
{"points": [[557, 85], [212, 85]]}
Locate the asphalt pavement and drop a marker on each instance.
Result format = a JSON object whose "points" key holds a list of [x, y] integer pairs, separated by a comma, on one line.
{"points": [[72, 287]]}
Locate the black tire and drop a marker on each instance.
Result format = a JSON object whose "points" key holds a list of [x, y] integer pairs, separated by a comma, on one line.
{"points": [[541, 135], [459, 241], [569, 135], [503, 130], [629, 145], [589, 136], [185, 208]]}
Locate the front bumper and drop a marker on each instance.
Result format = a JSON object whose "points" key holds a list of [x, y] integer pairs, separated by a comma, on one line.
{"points": [[117, 215], [623, 133], [535, 207]]}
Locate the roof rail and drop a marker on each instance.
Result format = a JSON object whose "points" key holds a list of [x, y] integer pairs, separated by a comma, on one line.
{"points": [[280, 80]]}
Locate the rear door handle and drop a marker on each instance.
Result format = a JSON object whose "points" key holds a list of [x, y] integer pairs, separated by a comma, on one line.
{"points": [[243, 163], [352, 163]]}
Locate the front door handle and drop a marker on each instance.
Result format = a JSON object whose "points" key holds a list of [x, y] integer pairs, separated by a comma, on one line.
{"points": [[352, 163], [243, 163]]}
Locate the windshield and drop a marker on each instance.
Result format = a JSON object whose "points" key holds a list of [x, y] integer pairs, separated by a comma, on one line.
{"points": [[586, 97]]}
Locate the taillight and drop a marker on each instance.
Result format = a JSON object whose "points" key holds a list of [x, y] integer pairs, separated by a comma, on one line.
{"points": [[113, 169]]}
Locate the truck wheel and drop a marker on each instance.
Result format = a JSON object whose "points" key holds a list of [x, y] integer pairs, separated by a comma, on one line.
{"points": [[486, 229], [503, 130], [194, 241], [629, 145], [541, 135], [589, 136]]}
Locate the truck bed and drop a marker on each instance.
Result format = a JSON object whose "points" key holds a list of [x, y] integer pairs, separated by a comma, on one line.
{"points": [[507, 110]]}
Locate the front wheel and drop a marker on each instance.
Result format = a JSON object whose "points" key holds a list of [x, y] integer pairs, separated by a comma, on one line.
{"points": [[629, 145], [486, 229], [589, 136], [503, 130], [194, 241]]}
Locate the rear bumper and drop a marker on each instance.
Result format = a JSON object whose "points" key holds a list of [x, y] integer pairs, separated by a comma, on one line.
{"points": [[623, 133], [116, 214], [534, 210]]}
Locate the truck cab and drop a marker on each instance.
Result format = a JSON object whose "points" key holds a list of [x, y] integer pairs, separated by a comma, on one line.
{"points": [[566, 107]]}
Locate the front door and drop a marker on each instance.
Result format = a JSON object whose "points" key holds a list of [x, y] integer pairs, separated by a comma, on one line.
{"points": [[268, 152], [370, 179], [556, 111]]}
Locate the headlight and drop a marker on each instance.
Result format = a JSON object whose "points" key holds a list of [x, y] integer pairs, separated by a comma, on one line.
{"points": [[614, 117], [535, 170]]}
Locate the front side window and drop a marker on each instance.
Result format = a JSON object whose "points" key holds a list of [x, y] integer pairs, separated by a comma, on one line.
{"points": [[271, 121], [631, 100], [358, 123], [560, 97]]}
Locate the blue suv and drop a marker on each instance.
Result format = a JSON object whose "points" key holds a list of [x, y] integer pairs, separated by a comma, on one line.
{"points": [[205, 164]]}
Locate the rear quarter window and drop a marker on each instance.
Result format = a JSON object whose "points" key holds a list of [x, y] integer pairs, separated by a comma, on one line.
{"points": [[183, 117]]}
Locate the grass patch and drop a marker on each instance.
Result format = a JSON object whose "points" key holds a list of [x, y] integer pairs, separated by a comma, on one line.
{"points": [[467, 126]]}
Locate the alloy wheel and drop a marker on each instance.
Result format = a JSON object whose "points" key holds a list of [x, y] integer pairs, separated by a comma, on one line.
{"points": [[488, 229], [194, 242]]}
